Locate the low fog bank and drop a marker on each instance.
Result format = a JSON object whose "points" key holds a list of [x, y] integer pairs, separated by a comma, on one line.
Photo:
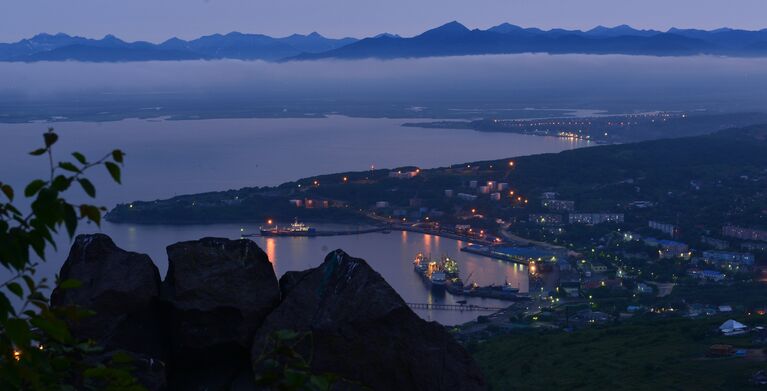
{"points": [[598, 81]]}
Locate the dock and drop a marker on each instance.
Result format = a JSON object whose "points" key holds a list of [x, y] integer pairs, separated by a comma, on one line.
{"points": [[490, 254], [452, 307], [320, 233]]}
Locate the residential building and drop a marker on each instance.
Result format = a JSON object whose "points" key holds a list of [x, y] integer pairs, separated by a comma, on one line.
{"points": [[595, 218], [744, 233], [399, 174], [668, 229], [718, 244], [712, 275], [754, 246], [549, 195], [316, 204], [643, 289], [559, 205], [669, 248], [545, 219], [728, 258]]}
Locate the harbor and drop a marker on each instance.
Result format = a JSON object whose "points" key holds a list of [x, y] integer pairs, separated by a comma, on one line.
{"points": [[444, 275], [452, 307], [464, 285], [300, 229]]}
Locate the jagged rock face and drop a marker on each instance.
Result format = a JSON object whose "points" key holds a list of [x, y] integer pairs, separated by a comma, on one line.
{"points": [[121, 287], [219, 291], [363, 331]]}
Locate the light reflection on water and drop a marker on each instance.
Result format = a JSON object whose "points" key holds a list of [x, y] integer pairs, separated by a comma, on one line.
{"points": [[389, 254]]}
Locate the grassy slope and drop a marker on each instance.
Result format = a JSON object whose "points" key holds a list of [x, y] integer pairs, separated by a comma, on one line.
{"points": [[658, 355]]}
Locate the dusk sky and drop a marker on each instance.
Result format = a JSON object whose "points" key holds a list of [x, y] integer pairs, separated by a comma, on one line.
{"points": [[157, 20]]}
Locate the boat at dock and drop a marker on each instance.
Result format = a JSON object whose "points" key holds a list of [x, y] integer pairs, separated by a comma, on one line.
{"points": [[500, 292], [436, 274], [444, 275], [294, 229]]}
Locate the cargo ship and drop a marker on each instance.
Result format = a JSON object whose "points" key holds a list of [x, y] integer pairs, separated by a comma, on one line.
{"points": [[294, 229], [438, 275]]}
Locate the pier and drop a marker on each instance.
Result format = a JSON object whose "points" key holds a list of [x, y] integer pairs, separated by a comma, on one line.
{"points": [[319, 233], [452, 307]]}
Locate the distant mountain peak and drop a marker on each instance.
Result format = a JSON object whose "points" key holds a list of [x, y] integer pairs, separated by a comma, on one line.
{"points": [[454, 25], [46, 36], [387, 35], [621, 27], [505, 28], [448, 28]]}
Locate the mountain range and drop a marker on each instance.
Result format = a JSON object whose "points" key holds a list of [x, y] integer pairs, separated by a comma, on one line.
{"points": [[451, 39], [61, 47]]}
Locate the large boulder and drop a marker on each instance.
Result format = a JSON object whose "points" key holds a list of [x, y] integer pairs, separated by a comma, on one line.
{"points": [[219, 292], [362, 330], [122, 289]]}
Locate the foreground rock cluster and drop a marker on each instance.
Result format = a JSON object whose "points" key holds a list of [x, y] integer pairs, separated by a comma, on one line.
{"points": [[210, 319]]}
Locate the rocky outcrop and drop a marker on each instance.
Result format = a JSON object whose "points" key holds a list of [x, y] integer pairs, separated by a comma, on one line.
{"points": [[219, 292], [207, 323], [363, 331], [122, 290]]}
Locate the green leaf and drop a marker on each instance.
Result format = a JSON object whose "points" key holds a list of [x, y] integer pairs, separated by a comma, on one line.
{"points": [[30, 282], [80, 157], [114, 171], [50, 138], [69, 166], [8, 191], [91, 212], [56, 328], [18, 330], [87, 187], [122, 358], [70, 219], [70, 284], [61, 183], [38, 152], [33, 187], [117, 155], [16, 289]]}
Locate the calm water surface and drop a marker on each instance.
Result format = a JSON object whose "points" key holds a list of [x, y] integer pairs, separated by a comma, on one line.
{"points": [[389, 254], [165, 158]]}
